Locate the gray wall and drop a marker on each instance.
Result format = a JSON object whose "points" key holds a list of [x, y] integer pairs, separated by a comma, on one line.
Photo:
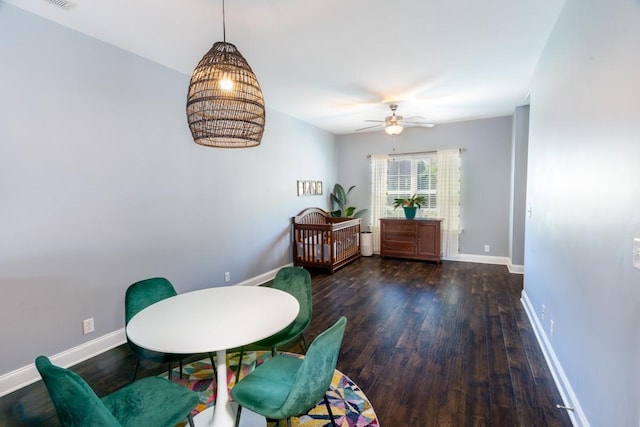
{"points": [[101, 185], [486, 173], [583, 188], [517, 213]]}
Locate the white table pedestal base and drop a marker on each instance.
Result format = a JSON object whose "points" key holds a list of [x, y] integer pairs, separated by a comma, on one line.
{"points": [[247, 418], [224, 412]]}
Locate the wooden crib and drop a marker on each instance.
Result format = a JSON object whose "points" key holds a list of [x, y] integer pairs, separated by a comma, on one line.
{"points": [[321, 241]]}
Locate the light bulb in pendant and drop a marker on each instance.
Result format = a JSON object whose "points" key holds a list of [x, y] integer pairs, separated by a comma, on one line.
{"points": [[226, 83]]}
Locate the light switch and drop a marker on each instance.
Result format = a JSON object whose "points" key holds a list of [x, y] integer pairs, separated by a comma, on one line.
{"points": [[636, 253]]}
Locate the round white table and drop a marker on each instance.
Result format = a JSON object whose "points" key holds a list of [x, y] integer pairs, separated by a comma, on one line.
{"points": [[213, 319]]}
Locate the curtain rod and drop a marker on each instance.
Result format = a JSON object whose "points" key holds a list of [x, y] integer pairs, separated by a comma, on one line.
{"points": [[415, 152]]}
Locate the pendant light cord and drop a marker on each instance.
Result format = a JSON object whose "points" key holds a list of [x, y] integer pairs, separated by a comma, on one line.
{"points": [[224, 28]]}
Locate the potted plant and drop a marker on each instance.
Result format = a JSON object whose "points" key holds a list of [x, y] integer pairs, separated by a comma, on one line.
{"points": [[340, 199], [410, 205]]}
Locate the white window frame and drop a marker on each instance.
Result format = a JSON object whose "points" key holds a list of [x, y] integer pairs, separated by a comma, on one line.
{"points": [[428, 209]]}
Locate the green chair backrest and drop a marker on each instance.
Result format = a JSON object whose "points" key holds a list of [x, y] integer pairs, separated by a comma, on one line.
{"points": [[316, 371], [142, 294], [297, 282], [76, 403]]}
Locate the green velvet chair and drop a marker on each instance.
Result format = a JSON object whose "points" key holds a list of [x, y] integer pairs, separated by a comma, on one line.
{"points": [[286, 386], [151, 401], [297, 282], [139, 296]]}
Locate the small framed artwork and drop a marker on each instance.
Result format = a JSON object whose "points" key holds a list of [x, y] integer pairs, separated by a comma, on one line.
{"points": [[309, 188]]}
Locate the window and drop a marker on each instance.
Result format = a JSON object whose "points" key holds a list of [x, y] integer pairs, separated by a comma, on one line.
{"points": [[409, 176]]}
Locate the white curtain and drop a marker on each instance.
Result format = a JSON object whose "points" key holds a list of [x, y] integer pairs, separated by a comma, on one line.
{"points": [[378, 196], [448, 201]]}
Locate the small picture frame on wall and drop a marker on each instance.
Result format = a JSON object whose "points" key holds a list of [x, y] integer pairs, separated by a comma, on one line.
{"points": [[309, 188]]}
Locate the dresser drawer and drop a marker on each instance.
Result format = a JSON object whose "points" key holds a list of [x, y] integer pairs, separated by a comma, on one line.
{"points": [[403, 227], [398, 237], [398, 248]]}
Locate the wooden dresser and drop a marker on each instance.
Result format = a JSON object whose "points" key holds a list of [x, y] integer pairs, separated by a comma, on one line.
{"points": [[410, 238]]}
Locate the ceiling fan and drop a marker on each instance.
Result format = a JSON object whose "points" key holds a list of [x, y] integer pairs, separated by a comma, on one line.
{"points": [[393, 125]]}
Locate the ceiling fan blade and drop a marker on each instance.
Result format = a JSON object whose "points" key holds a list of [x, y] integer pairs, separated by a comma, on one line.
{"points": [[368, 127], [415, 117], [375, 121], [424, 125]]}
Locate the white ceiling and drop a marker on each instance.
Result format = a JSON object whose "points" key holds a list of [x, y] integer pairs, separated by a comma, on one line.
{"points": [[336, 63]]}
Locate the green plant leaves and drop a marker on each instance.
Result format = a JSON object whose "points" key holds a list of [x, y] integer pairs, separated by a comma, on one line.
{"points": [[340, 199]]}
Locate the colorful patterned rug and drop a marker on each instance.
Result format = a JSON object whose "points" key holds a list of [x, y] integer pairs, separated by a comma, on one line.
{"points": [[349, 405]]}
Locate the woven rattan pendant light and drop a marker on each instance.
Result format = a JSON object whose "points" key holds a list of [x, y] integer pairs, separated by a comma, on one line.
{"points": [[225, 106]]}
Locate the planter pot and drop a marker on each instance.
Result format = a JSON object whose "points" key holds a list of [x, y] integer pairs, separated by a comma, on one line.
{"points": [[410, 213]]}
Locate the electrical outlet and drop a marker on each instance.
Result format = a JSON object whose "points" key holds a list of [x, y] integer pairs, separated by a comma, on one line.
{"points": [[542, 312], [552, 327], [487, 248], [227, 276], [87, 326]]}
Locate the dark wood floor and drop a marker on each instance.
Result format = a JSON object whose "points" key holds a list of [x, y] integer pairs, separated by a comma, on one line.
{"points": [[430, 345]]}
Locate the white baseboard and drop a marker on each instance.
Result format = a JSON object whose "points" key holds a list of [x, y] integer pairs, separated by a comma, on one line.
{"points": [[569, 399], [481, 259], [262, 278], [26, 375], [486, 259], [515, 268]]}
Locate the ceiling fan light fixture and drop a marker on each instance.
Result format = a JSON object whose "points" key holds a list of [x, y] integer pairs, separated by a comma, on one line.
{"points": [[393, 129], [392, 123]]}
